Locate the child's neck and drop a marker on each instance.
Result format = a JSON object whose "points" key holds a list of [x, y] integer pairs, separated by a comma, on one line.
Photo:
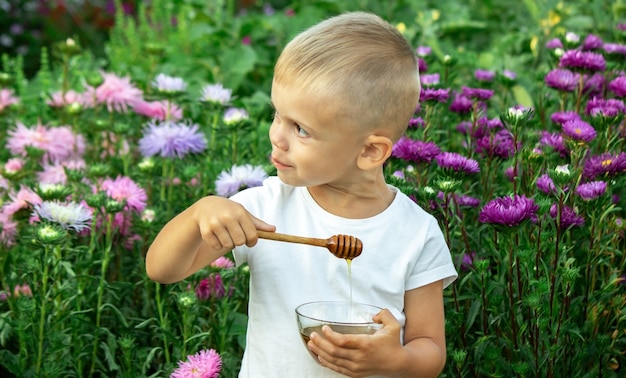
{"points": [[355, 201]]}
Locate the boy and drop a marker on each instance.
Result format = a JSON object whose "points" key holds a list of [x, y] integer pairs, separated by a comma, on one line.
{"points": [[343, 91]]}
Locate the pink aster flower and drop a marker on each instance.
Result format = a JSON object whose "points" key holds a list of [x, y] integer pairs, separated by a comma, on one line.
{"points": [[60, 99], [55, 173], [58, 143], [430, 79], [7, 98], [13, 165], [223, 262], [8, 228], [211, 287], [118, 93], [125, 189], [204, 364], [159, 110], [23, 199]]}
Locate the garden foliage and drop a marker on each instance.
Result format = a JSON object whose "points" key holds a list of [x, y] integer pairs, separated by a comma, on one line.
{"points": [[517, 147]]}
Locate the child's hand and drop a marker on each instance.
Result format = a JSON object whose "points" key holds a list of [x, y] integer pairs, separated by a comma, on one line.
{"points": [[224, 224], [360, 355]]}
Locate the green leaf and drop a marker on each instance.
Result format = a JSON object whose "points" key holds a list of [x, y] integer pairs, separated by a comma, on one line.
{"points": [[522, 96]]}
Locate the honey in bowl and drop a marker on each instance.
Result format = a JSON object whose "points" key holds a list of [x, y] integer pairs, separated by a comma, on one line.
{"points": [[342, 317]]}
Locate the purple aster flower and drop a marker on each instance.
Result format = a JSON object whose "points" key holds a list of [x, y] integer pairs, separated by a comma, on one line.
{"points": [[430, 79], [415, 150], [508, 211], [555, 141], [461, 104], [618, 86], [467, 261], [238, 178], [422, 65], [592, 42], [554, 43], [545, 184], [464, 200], [169, 139], [569, 217], [562, 79], [434, 95], [69, 215], [416, 122], [216, 93], [593, 85], [211, 287], [484, 75], [600, 103], [583, 61], [621, 26], [204, 364], [606, 164], [477, 93], [579, 130], [561, 117], [591, 190], [499, 145], [452, 161]]}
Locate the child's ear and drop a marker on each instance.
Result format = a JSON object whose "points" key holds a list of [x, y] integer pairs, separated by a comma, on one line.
{"points": [[376, 150]]}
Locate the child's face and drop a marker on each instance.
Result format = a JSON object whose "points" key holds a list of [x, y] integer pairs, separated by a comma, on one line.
{"points": [[313, 142]]}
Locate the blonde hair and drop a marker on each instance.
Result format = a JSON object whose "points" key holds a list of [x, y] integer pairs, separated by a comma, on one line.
{"points": [[362, 59]]}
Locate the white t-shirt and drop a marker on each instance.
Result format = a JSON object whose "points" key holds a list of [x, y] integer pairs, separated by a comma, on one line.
{"points": [[403, 249]]}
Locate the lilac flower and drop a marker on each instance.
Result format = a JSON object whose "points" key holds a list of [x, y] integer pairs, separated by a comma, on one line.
{"points": [[562, 79], [415, 150], [423, 51], [606, 164], [429, 80], [568, 217], [238, 178], [554, 43], [169, 84], [170, 139], [615, 49], [545, 184], [582, 60], [211, 287], [591, 190], [235, 115], [618, 86], [461, 104], [434, 95], [125, 189], [204, 364], [592, 42], [69, 215], [477, 93], [508, 211], [562, 117], [452, 161], [7, 98], [484, 75], [217, 94], [579, 131]]}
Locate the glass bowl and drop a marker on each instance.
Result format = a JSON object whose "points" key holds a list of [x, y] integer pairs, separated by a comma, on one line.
{"points": [[342, 317]]}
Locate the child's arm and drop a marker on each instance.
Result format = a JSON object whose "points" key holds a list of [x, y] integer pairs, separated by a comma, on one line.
{"points": [[423, 353], [193, 239]]}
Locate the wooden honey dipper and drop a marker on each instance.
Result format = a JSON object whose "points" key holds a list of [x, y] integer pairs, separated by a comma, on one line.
{"points": [[342, 246]]}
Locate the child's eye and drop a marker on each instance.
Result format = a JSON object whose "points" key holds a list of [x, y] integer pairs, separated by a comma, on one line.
{"points": [[300, 131]]}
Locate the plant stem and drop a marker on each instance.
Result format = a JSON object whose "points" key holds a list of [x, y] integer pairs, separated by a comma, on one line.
{"points": [[42, 311]]}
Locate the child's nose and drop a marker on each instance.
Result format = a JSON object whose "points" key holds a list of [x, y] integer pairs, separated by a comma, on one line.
{"points": [[277, 136]]}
